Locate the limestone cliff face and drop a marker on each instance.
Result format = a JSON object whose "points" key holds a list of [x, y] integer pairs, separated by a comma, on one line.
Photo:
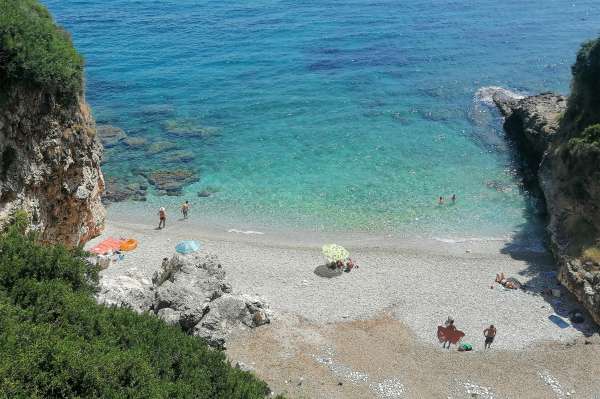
{"points": [[50, 164], [569, 179]]}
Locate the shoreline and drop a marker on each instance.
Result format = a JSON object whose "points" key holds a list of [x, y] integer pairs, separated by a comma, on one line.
{"points": [[231, 228], [420, 281]]}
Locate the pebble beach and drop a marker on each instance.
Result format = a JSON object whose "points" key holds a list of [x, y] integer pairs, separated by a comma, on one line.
{"points": [[390, 306]]}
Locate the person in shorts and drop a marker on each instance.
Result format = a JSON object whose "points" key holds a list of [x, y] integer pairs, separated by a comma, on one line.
{"points": [[185, 209], [162, 218], [489, 334]]}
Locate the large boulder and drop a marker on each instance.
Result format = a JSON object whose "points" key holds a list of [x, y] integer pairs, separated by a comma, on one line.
{"points": [[230, 312], [188, 291], [533, 122], [130, 289]]}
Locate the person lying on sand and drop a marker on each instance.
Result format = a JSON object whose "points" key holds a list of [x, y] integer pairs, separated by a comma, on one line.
{"points": [[511, 283]]}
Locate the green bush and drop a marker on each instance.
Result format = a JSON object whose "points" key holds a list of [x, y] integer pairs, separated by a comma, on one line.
{"points": [[56, 342], [34, 51], [586, 142], [584, 102]]}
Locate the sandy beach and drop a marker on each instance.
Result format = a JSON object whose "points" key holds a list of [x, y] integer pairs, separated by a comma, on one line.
{"points": [[372, 332]]}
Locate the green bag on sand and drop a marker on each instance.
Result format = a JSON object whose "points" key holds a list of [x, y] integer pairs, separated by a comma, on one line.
{"points": [[466, 347]]}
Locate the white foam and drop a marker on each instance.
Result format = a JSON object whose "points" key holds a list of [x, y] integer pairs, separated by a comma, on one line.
{"points": [[469, 239], [245, 232], [486, 94]]}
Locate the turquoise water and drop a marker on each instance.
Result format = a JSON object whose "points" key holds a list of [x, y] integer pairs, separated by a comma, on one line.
{"points": [[328, 114]]}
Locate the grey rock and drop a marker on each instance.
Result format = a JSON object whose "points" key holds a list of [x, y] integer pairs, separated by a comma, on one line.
{"points": [[243, 366], [193, 289], [131, 290], [169, 316], [188, 291]]}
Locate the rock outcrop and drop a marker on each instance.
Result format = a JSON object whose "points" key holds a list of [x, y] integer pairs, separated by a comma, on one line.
{"points": [[188, 291], [50, 164], [569, 180]]}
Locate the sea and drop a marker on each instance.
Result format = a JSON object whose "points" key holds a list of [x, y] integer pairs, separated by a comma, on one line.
{"points": [[327, 115]]}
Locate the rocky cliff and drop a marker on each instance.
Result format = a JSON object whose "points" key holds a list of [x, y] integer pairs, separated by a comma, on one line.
{"points": [[49, 154], [50, 165], [559, 139]]}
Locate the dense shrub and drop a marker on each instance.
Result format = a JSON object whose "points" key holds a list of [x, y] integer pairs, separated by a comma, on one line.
{"points": [[56, 342], [584, 102], [586, 142], [34, 51]]}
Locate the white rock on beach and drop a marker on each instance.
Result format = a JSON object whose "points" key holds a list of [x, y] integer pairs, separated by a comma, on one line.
{"points": [[189, 291]]}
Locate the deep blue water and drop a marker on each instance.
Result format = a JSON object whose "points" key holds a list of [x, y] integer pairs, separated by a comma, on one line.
{"points": [[330, 114]]}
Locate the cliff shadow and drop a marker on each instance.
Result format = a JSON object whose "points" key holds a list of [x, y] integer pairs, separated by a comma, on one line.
{"points": [[529, 244]]}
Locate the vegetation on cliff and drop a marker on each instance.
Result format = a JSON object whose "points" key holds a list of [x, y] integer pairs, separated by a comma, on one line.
{"points": [[584, 101], [55, 341], [35, 51]]}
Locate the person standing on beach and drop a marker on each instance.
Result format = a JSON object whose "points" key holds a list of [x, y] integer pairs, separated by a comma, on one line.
{"points": [[489, 334], [450, 328], [185, 208], [162, 218]]}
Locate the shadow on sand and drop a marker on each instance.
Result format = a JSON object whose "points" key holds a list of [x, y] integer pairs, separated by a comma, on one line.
{"points": [[327, 272], [529, 244]]}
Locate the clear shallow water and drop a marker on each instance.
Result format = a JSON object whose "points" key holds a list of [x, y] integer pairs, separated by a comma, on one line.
{"points": [[328, 114]]}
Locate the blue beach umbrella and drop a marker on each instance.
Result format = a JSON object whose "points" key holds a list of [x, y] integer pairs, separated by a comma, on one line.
{"points": [[187, 247]]}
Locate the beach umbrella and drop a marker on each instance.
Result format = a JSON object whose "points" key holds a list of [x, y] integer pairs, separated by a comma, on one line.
{"points": [[334, 252], [187, 247]]}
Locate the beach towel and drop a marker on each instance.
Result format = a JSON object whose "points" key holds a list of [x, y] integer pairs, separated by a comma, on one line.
{"points": [[108, 245], [449, 334], [558, 321]]}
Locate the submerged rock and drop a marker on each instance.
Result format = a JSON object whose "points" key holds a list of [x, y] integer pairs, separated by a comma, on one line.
{"points": [[171, 182], [188, 128], [160, 146], [118, 190], [188, 291], [135, 142], [109, 135], [178, 157]]}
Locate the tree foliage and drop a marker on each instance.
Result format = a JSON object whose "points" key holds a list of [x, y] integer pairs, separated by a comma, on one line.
{"points": [[34, 51], [56, 342], [584, 102]]}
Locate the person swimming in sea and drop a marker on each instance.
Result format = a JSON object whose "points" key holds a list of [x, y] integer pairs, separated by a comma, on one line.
{"points": [[441, 200], [453, 198]]}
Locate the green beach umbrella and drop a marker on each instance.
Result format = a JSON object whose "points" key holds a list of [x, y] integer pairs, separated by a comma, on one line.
{"points": [[334, 252]]}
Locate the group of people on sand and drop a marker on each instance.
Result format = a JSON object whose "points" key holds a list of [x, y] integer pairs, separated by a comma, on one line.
{"points": [[449, 334], [441, 199], [162, 214]]}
